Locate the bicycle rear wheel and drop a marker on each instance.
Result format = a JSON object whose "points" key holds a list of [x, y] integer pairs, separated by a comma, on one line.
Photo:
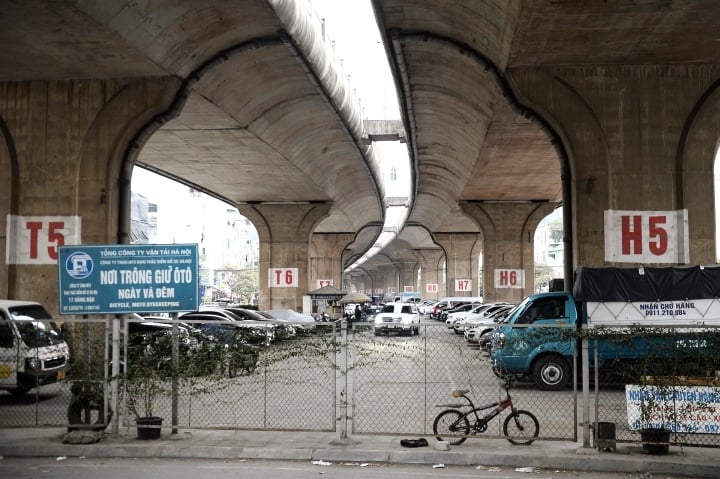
{"points": [[451, 423], [521, 428]]}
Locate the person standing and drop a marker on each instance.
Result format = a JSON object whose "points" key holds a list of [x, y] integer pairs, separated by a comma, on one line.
{"points": [[358, 313]]}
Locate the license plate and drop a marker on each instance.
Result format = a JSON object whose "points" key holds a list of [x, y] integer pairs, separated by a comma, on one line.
{"points": [[61, 375]]}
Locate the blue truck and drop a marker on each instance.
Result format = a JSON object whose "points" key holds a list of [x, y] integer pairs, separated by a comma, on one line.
{"points": [[539, 339]]}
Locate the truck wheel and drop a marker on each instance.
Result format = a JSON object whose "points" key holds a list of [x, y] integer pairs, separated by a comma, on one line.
{"points": [[551, 373], [20, 390]]}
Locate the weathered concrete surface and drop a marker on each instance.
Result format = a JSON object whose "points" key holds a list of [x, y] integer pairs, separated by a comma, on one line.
{"points": [[593, 104]]}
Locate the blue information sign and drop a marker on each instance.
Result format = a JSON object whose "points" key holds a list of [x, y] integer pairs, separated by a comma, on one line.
{"points": [[115, 279]]}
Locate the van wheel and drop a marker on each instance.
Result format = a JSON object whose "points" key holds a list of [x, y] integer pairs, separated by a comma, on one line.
{"points": [[551, 373], [19, 391]]}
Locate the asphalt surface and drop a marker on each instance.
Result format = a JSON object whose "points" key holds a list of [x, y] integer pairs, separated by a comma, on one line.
{"points": [[331, 448]]}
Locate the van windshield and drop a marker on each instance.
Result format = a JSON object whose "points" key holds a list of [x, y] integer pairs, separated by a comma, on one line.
{"points": [[35, 326]]}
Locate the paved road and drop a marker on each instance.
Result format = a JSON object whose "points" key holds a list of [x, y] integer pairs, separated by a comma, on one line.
{"points": [[72, 468]]}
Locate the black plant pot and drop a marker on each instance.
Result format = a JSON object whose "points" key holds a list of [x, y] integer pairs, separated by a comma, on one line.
{"points": [[655, 441], [149, 427]]}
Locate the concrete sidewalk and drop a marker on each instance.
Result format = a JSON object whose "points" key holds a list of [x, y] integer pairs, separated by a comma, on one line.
{"points": [[328, 447]]}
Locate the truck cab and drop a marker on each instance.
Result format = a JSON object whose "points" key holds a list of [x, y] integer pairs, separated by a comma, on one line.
{"points": [[535, 341], [32, 349]]}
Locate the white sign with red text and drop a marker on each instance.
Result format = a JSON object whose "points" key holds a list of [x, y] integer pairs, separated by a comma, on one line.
{"points": [[408, 289], [431, 288], [282, 278], [321, 283], [647, 236], [462, 285], [36, 239], [509, 278]]}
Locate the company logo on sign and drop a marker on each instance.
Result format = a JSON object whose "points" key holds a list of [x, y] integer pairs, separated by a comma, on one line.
{"points": [[79, 265], [647, 236]]}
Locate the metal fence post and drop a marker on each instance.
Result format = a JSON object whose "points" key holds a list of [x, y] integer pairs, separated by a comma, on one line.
{"points": [[586, 391], [341, 402], [341, 395], [115, 383]]}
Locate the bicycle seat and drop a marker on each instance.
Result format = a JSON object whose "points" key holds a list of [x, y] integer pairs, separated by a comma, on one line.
{"points": [[459, 392]]}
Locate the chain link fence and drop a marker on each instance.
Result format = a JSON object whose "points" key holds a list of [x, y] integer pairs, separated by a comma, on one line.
{"points": [[331, 378], [660, 378]]}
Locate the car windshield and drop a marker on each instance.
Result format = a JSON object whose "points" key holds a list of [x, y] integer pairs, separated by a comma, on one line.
{"points": [[388, 308], [35, 326]]}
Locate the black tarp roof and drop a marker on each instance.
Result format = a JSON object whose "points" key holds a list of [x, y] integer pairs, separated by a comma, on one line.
{"points": [[673, 283]]}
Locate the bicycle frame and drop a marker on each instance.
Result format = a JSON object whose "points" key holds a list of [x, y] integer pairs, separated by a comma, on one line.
{"points": [[520, 427], [480, 423]]}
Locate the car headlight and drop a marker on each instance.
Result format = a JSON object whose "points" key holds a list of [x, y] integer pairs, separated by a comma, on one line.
{"points": [[32, 363]]}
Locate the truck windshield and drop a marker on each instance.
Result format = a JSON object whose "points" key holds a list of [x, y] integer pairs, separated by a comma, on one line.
{"points": [[35, 326]]}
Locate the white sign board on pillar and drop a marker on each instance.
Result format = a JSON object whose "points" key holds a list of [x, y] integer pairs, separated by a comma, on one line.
{"points": [[282, 278], [431, 288], [463, 285], [647, 236], [509, 278], [323, 282], [37, 239]]}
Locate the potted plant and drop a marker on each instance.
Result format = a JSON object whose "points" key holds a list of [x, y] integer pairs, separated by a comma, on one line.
{"points": [[652, 412], [147, 378]]}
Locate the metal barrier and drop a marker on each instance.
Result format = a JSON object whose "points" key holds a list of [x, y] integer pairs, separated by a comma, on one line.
{"points": [[672, 384], [343, 379]]}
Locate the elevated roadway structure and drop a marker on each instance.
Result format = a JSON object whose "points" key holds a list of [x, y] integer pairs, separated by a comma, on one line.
{"points": [[509, 109]]}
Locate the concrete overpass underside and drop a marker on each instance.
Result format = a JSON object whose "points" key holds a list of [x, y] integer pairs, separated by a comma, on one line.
{"points": [[510, 109]]}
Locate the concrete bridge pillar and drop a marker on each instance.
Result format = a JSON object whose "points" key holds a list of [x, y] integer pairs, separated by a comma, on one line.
{"points": [[407, 276], [63, 147], [326, 257], [388, 278], [431, 268], [639, 138], [459, 260], [284, 231], [358, 279], [509, 232]]}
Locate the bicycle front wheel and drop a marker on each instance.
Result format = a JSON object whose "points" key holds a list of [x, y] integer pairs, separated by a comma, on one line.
{"points": [[451, 424], [521, 428]]}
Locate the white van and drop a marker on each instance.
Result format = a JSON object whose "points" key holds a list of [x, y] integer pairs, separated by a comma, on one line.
{"points": [[32, 349]]}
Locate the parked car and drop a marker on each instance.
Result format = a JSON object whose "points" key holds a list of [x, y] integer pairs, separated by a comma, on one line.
{"points": [[302, 322], [259, 333], [426, 306], [402, 318], [479, 316], [449, 316], [482, 328], [282, 329]]}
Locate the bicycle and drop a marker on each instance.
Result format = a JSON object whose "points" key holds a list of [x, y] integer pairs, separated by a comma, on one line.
{"points": [[521, 427]]}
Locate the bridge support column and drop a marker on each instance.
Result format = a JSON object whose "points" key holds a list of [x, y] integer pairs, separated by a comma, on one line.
{"points": [[284, 231], [459, 264], [431, 272], [388, 279], [407, 277], [645, 140], [326, 257], [509, 231], [62, 147]]}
